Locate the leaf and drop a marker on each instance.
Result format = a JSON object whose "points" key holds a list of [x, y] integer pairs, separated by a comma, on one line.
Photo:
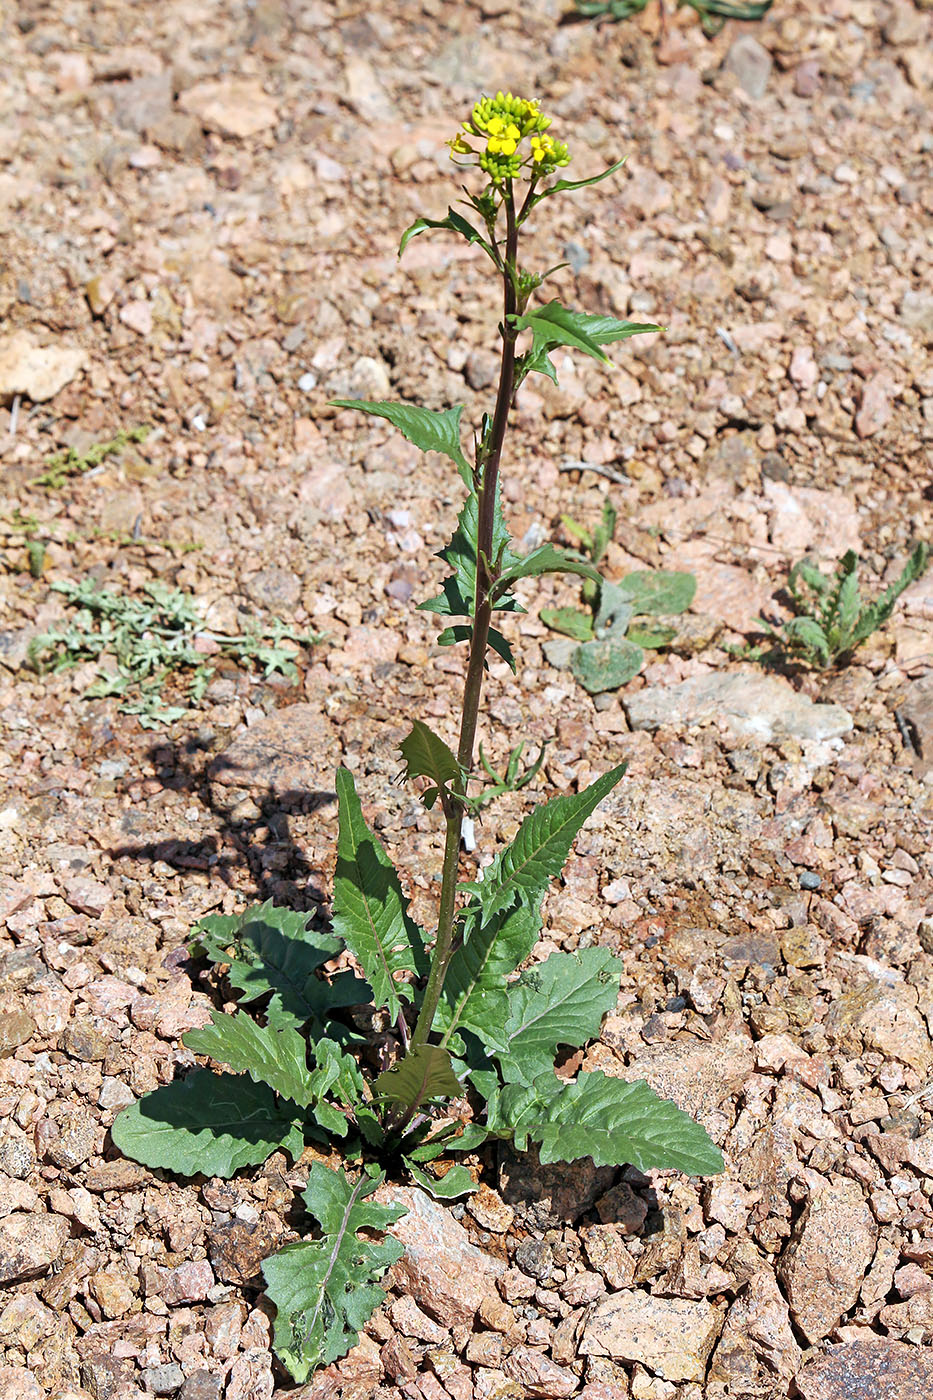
{"points": [[324, 1290], [271, 950], [501, 646], [429, 429], [457, 1182], [561, 185], [608, 1119], [458, 597], [813, 577], [561, 1001], [882, 608], [807, 634], [525, 868], [277, 1057], [651, 638], [658, 591], [475, 995], [848, 607], [427, 756], [569, 621], [466, 1137], [555, 324], [454, 223], [424, 1073], [614, 611], [370, 911], [207, 1123], [547, 559], [606, 664]]}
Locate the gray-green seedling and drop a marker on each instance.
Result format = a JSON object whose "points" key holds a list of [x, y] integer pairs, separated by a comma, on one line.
{"points": [[713, 13], [460, 1023], [70, 462], [140, 642], [831, 617], [615, 633]]}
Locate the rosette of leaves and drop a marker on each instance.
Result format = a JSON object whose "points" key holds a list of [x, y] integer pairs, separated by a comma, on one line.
{"points": [[293, 1069], [617, 630], [713, 13], [832, 618]]}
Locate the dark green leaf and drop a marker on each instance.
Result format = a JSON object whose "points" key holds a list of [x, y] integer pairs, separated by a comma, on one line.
{"points": [[457, 1182], [427, 756], [658, 591], [370, 911], [475, 996], [606, 664], [458, 598], [500, 645], [277, 1057], [424, 1073], [555, 324], [560, 1001], [526, 867], [560, 186], [207, 1123], [271, 950], [324, 1290], [547, 559], [466, 1138], [430, 430], [454, 223], [610, 1120], [569, 621]]}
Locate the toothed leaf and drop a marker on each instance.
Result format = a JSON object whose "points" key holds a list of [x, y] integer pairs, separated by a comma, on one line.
{"points": [[431, 430], [424, 1073], [561, 1001]]}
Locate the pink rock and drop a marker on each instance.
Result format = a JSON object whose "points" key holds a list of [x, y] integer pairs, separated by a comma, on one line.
{"points": [[876, 405], [138, 316], [188, 1283], [804, 371], [87, 896], [444, 1273]]}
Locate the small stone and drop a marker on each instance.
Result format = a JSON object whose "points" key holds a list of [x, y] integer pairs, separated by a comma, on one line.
{"points": [[113, 1292], [163, 1380], [36, 372], [17, 1384], [917, 311], [538, 1374], [17, 1158], [672, 1337], [750, 63], [878, 1369], [16, 1029], [274, 588], [238, 1247], [231, 106], [202, 1385], [187, 1283], [535, 1257], [137, 315], [809, 880], [490, 1211], [119, 1175], [876, 405], [444, 1273], [29, 1244], [77, 1140], [292, 750], [83, 1041], [823, 1267]]}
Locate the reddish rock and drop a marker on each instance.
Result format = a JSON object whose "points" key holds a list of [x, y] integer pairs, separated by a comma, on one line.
{"points": [[444, 1273], [875, 1370], [823, 1267]]}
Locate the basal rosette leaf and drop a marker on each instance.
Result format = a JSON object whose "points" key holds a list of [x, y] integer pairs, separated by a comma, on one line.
{"points": [[207, 1123], [269, 1055], [370, 911], [659, 592], [430, 430], [561, 1001], [424, 1073], [325, 1290], [610, 1120]]}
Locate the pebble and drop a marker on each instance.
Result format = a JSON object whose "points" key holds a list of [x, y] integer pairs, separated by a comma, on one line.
{"points": [[751, 64], [16, 1028], [231, 106], [444, 1273], [36, 372], [29, 1244], [671, 1337], [823, 1267]]}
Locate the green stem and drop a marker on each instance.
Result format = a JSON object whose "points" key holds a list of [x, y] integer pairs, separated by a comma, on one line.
{"points": [[487, 471]]}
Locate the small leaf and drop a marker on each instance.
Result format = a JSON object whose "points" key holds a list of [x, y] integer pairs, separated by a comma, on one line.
{"points": [[277, 1057], [430, 430], [555, 324], [501, 646], [651, 638], [606, 664], [427, 756], [457, 1182], [561, 1001], [207, 1123], [458, 597], [454, 223], [525, 868], [560, 186], [370, 911], [271, 950], [614, 612], [806, 633], [569, 621], [424, 1073], [324, 1290], [466, 1138], [547, 559], [610, 1120], [658, 591]]}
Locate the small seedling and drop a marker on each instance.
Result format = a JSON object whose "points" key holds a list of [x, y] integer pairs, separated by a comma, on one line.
{"points": [[145, 640], [615, 634], [467, 1021], [832, 619], [62, 465], [713, 13]]}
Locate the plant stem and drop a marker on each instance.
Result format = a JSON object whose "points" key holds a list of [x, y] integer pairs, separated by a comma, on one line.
{"points": [[487, 473]]}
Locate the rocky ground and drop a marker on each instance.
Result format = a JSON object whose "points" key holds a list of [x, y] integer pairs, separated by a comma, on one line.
{"points": [[201, 207]]}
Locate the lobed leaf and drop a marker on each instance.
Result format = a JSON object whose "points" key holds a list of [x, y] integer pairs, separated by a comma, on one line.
{"points": [[207, 1123], [431, 430], [610, 1120], [427, 756], [370, 911], [475, 995], [458, 596], [276, 1056], [561, 1001], [324, 1290]]}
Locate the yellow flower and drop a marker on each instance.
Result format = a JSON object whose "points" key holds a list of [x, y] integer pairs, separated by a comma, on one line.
{"points": [[503, 122]]}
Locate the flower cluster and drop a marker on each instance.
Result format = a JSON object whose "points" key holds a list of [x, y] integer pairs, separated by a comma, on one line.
{"points": [[504, 122]]}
